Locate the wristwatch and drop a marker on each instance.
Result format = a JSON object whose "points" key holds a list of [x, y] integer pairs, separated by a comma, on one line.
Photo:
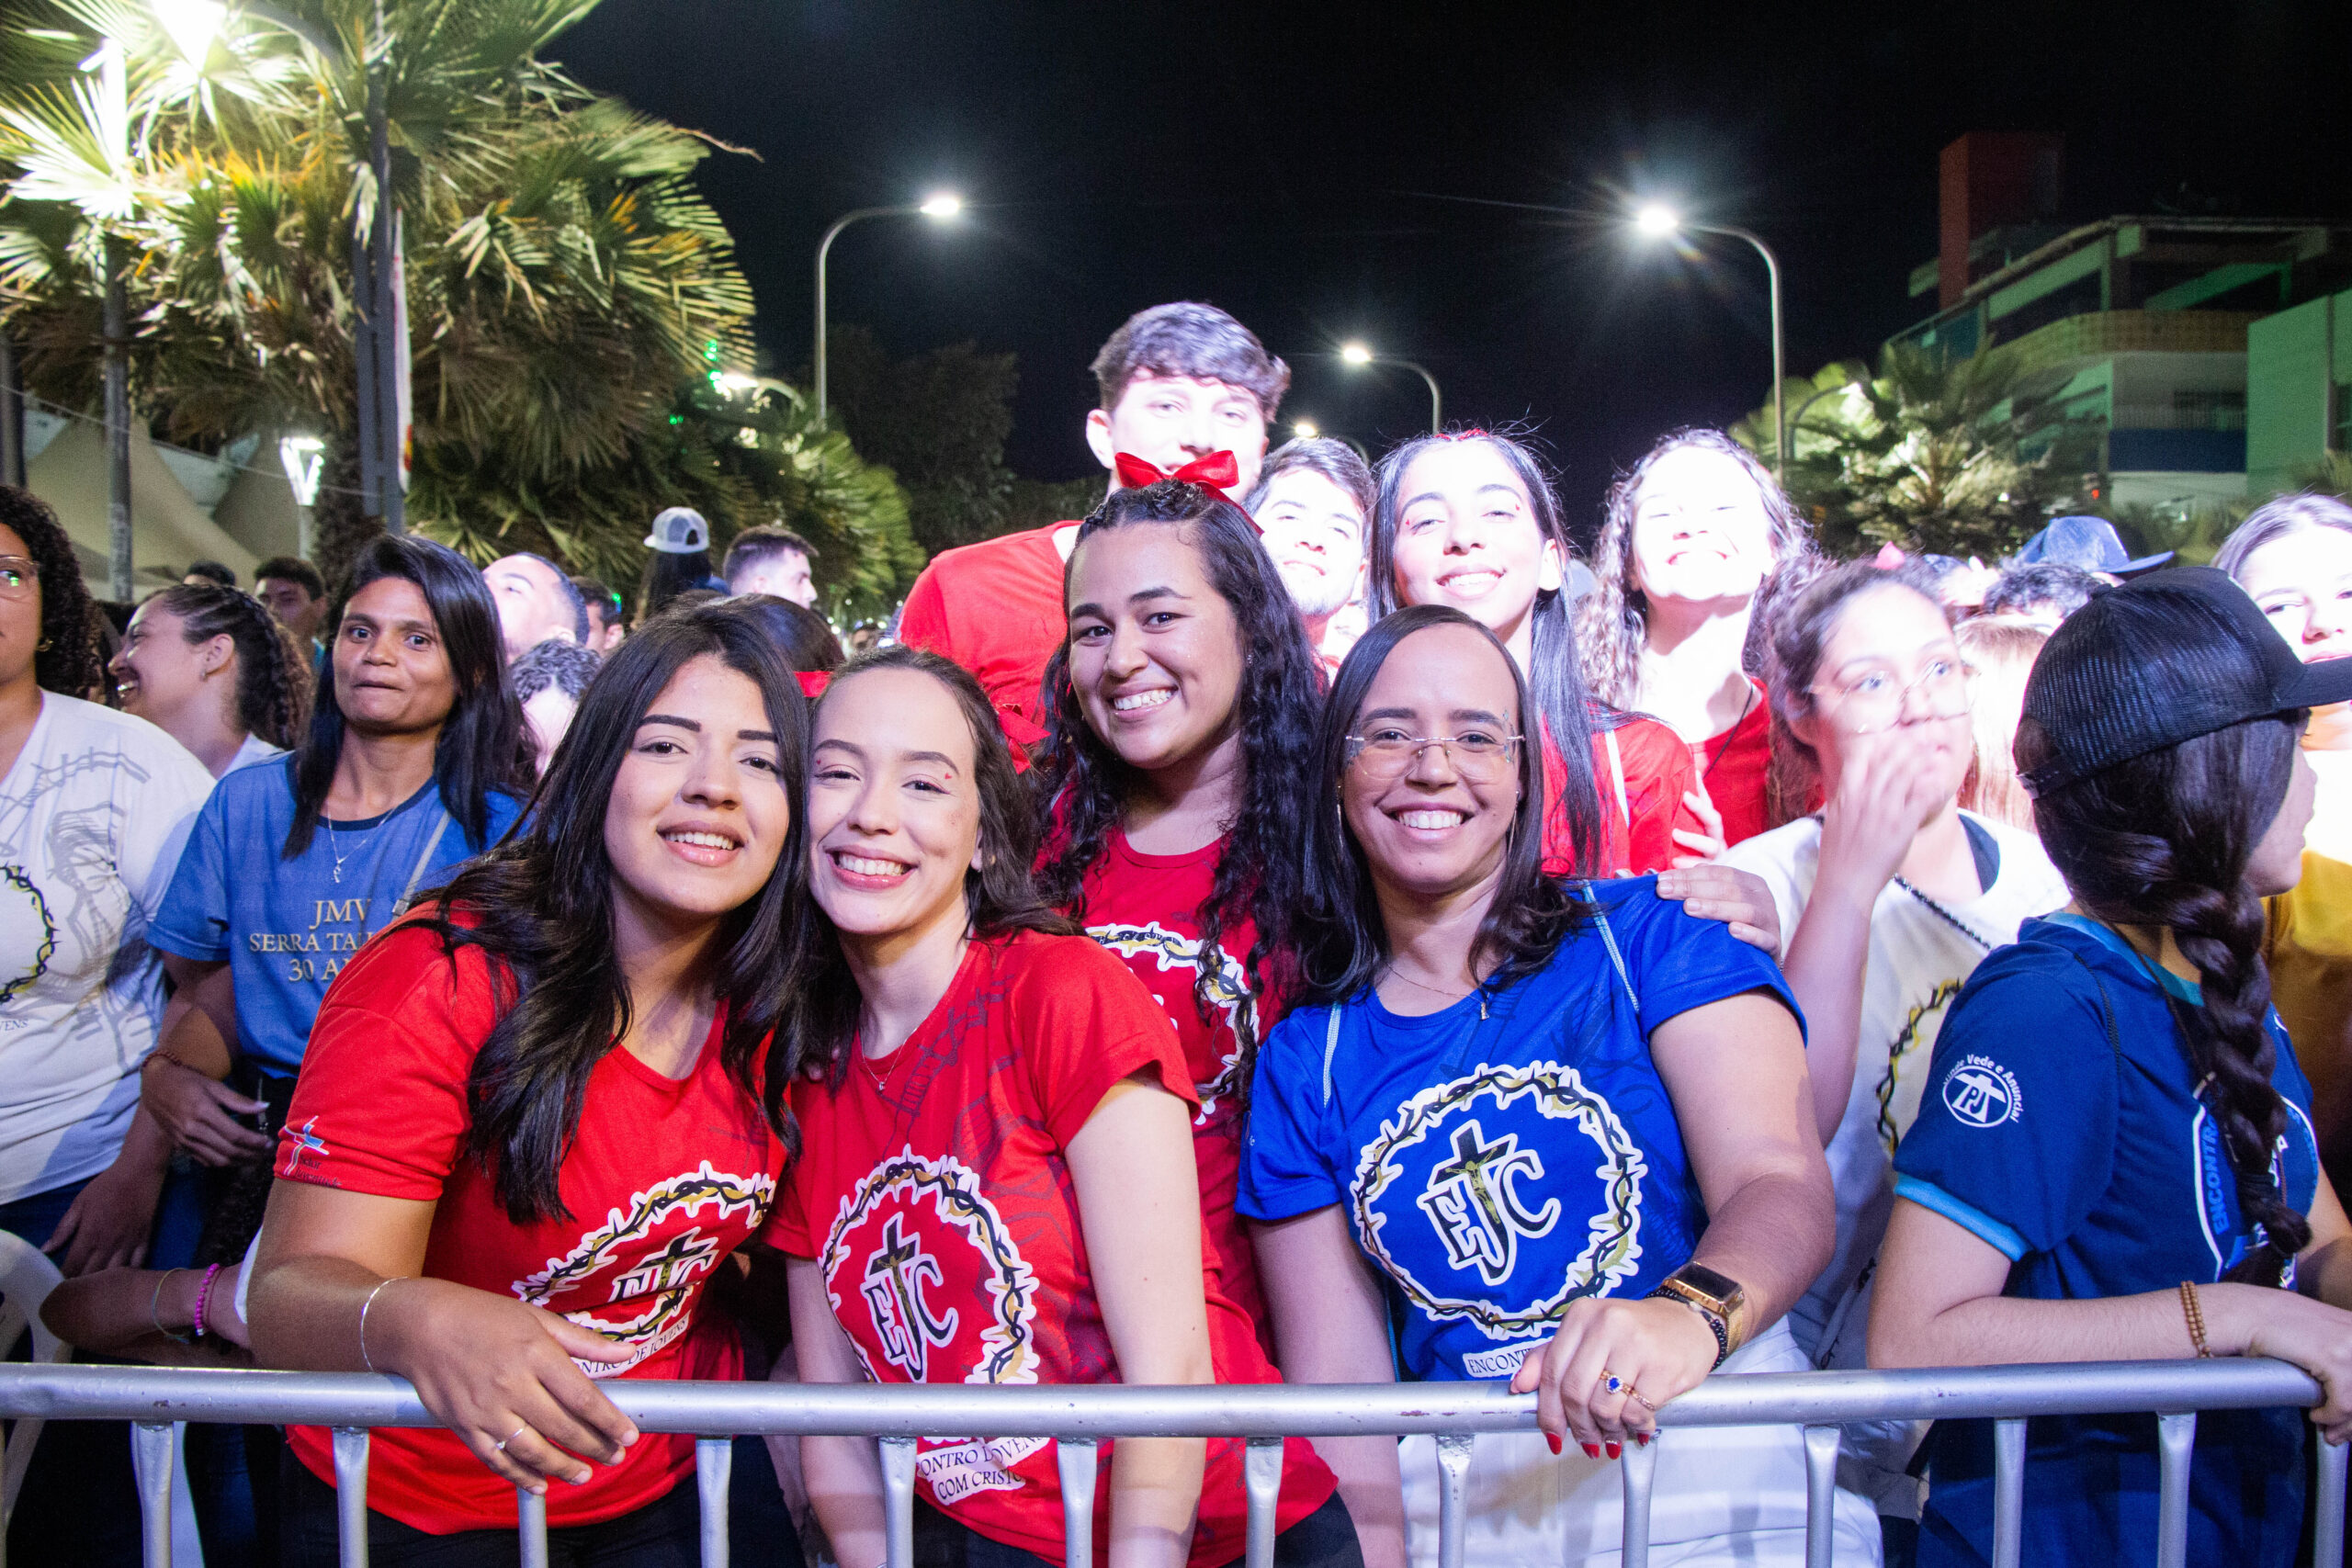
{"points": [[1722, 1300]]}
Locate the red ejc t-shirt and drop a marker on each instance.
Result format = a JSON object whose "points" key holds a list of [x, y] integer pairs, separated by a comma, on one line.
{"points": [[663, 1181], [1735, 765], [1144, 908], [996, 609], [935, 1195], [1637, 832]]}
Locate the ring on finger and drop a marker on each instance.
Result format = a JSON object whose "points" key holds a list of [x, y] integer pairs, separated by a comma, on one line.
{"points": [[1611, 1383], [1637, 1397], [512, 1436]]}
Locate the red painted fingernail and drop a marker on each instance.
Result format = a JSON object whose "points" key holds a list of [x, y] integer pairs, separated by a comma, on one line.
{"points": [[1552, 1438], [1616, 1451], [1591, 1451], [1643, 1439]]}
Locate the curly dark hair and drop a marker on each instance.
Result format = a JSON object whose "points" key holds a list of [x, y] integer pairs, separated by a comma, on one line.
{"points": [[71, 660], [1084, 785], [1612, 622], [273, 673]]}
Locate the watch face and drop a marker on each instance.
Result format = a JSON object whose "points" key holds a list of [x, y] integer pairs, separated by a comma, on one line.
{"points": [[1702, 1279]]}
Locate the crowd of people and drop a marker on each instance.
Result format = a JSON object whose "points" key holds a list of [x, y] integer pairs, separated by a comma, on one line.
{"points": [[1304, 921]]}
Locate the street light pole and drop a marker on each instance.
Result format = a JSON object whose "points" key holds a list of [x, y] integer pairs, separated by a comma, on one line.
{"points": [[1358, 355], [1662, 220], [938, 208]]}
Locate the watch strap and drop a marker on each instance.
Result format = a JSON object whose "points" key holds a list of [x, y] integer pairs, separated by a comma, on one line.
{"points": [[1674, 1290]]}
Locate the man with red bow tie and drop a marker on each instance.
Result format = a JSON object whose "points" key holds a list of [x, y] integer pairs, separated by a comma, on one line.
{"points": [[1188, 393]]}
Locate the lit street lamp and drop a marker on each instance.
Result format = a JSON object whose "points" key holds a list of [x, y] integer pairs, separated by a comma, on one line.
{"points": [[1305, 429], [1357, 354], [939, 208], [1659, 221]]}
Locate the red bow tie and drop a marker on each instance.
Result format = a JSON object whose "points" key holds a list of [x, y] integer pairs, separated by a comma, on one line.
{"points": [[1218, 471]]}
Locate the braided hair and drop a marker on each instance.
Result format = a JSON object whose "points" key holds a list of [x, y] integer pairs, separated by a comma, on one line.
{"points": [[2163, 840], [71, 660], [273, 674], [1612, 622], [1084, 784]]}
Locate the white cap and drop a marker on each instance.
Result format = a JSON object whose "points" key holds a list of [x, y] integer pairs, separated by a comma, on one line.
{"points": [[678, 531]]}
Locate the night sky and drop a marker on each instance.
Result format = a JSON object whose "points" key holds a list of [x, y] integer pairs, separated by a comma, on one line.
{"points": [[1283, 161]]}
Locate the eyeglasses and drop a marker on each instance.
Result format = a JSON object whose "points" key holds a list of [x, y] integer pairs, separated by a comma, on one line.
{"points": [[1875, 699], [1477, 756], [18, 578]]}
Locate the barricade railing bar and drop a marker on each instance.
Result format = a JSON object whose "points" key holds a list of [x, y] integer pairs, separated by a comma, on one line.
{"points": [[1080, 1418]]}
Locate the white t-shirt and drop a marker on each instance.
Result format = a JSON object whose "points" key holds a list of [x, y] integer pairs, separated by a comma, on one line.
{"points": [[253, 749], [93, 815], [1918, 961]]}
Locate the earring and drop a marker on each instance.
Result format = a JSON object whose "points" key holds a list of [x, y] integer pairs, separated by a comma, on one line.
{"points": [[41, 647]]}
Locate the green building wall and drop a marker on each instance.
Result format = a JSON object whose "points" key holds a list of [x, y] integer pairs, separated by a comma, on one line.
{"points": [[2298, 391]]}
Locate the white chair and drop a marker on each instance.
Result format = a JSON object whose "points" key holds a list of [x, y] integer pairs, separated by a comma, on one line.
{"points": [[27, 1276]]}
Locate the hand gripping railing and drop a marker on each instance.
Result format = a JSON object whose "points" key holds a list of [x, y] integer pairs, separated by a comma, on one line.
{"points": [[1080, 1418]]}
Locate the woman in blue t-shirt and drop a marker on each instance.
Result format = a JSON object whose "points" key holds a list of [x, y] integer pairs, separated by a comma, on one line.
{"points": [[2113, 1157], [1555, 1132]]}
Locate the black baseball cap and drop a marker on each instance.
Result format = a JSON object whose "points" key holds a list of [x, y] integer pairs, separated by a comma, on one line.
{"points": [[2162, 660]]}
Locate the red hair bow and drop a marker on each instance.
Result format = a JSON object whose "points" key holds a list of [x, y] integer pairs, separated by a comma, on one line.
{"points": [[1218, 471], [813, 683]]}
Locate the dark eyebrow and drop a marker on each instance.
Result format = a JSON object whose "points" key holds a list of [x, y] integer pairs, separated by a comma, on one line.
{"points": [[767, 735], [1140, 596], [669, 718], [364, 618], [1417, 500], [1458, 716], [942, 758]]}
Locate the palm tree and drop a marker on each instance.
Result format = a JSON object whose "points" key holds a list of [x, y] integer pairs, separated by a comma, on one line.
{"points": [[1930, 452], [565, 279]]}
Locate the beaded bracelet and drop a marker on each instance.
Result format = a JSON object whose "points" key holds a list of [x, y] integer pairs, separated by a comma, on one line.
{"points": [[2194, 1311], [203, 1293]]}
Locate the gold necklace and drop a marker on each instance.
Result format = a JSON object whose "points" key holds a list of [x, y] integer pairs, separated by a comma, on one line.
{"points": [[1397, 974]]}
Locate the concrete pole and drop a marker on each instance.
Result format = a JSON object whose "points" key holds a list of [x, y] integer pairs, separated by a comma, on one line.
{"points": [[118, 422]]}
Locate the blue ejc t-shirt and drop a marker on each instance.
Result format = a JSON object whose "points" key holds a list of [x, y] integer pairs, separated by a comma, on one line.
{"points": [[1515, 1151], [288, 927], [2096, 1170]]}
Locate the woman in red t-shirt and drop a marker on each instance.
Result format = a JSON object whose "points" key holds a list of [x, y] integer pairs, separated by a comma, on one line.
{"points": [[997, 1182], [1697, 536], [536, 1114], [1184, 698], [1468, 521]]}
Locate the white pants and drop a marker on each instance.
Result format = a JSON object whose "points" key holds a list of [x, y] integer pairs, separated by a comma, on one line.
{"points": [[1723, 1495]]}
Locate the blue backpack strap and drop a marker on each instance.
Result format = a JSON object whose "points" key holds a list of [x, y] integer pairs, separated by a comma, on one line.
{"points": [[1331, 1048], [1608, 940]]}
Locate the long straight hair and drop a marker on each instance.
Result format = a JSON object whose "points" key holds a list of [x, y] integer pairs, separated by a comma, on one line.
{"points": [[540, 907], [1348, 943], [1554, 678], [482, 746], [1084, 784], [818, 1022]]}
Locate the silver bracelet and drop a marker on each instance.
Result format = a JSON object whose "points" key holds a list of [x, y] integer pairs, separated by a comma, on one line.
{"points": [[363, 1321]]}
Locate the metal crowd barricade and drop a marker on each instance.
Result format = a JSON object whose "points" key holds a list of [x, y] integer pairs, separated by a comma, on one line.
{"points": [[1080, 1417]]}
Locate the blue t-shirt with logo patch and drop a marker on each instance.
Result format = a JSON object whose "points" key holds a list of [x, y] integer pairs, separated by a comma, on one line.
{"points": [[2096, 1170], [288, 927], [1509, 1154]]}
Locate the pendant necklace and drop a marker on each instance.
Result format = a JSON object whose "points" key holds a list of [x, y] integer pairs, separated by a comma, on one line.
{"points": [[333, 848]]}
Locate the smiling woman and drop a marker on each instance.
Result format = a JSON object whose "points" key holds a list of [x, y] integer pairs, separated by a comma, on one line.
{"points": [[1486, 1053], [999, 1183], [540, 1113]]}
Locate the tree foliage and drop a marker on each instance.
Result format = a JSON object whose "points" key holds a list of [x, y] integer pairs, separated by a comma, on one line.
{"points": [[1930, 453], [940, 420], [565, 279]]}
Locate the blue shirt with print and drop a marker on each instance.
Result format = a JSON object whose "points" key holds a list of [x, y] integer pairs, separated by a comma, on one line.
{"points": [[287, 928], [1503, 1156], [2095, 1169]]}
